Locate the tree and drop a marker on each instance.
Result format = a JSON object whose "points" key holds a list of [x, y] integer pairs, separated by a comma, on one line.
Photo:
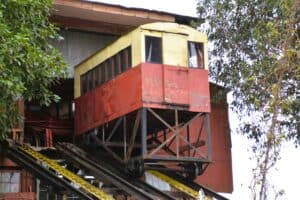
{"points": [[29, 65], [256, 54]]}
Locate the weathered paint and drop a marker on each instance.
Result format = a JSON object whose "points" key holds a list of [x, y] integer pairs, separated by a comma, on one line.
{"points": [[108, 101], [146, 85], [166, 85], [218, 175], [175, 38]]}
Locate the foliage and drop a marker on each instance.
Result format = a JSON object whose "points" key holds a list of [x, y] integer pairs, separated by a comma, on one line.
{"points": [[29, 65], [256, 54]]}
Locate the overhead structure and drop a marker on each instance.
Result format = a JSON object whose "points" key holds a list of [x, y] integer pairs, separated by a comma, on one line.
{"points": [[108, 18]]}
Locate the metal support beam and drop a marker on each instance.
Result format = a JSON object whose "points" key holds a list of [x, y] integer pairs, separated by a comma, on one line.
{"points": [[177, 133], [113, 154], [124, 136], [133, 135], [207, 125], [114, 129], [144, 132], [188, 139]]}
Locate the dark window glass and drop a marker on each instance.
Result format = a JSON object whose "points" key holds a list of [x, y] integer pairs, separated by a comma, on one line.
{"points": [[106, 70], [103, 73], [123, 61], [129, 63], [83, 84], [96, 76], [110, 69], [90, 80], [196, 56], [112, 61], [153, 49]]}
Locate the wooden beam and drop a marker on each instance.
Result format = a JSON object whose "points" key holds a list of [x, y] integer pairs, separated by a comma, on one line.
{"points": [[93, 26], [110, 9]]}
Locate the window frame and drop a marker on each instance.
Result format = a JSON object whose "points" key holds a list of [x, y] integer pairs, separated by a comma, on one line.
{"points": [[160, 59], [10, 182], [83, 84], [107, 70], [201, 47]]}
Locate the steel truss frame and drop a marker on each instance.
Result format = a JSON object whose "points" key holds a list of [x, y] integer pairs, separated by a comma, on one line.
{"points": [[151, 144]]}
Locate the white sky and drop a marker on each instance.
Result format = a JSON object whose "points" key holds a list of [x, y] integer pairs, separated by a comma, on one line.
{"points": [[182, 7], [284, 176], [287, 174]]}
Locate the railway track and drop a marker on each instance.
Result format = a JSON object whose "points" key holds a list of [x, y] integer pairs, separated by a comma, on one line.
{"points": [[107, 171], [48, 169], [132, 186], [188, 188]]}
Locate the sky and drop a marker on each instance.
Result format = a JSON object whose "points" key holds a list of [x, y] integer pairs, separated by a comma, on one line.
{"points": [[285, 175], [182, 7]]}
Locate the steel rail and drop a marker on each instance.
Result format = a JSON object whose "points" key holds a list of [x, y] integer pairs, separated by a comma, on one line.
{"points": [[97, 192], [23, 159], [192, 185], [103, 173], [133, 186]]}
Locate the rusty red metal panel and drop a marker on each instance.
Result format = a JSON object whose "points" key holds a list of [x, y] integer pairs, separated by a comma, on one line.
{"points": [[175, 85], [156, 85], [118, 96], [152, 82], [199, 96], [167, 86], [218, 175], [83, 108], [109, 101]]}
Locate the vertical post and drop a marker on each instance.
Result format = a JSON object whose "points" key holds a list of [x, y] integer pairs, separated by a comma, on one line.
{"points": [[51, 193], [208, 136], [177, 132], [144, 132], [188, 139], [165, 135], [125, 136], [37, 189], [103, 134]]}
